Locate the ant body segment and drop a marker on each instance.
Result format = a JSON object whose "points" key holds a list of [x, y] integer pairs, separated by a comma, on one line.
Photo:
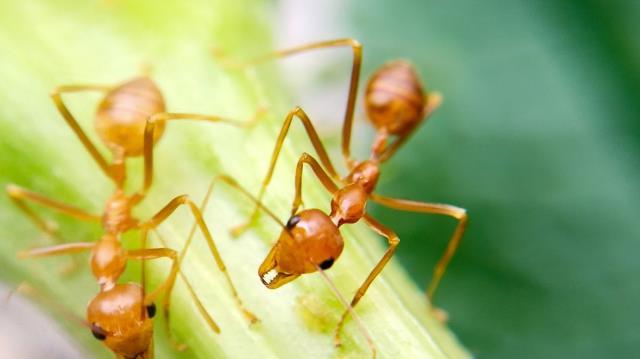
{"points": [[396, 105], [129, 120]]}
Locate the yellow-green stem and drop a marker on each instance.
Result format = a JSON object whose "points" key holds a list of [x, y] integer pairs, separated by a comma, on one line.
{"points": [[45, 44]]}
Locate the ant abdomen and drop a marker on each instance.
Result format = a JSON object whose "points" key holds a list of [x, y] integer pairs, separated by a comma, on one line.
{"points": [[122, 115], [394, 98]]}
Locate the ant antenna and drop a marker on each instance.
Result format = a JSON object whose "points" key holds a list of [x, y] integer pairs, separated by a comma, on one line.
{"points": [[146, 69], [30, 291], [362, 328]]}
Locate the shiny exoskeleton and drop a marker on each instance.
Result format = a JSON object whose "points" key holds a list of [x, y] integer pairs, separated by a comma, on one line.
{"points": [[396, 104], [129, 120]]}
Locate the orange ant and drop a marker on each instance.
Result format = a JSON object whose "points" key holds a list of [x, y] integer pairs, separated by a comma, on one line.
{"points": [[396, 105], [130, 119]]}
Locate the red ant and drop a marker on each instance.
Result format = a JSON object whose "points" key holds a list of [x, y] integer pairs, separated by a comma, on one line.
{"points": [[396, 105], [130, 119]]}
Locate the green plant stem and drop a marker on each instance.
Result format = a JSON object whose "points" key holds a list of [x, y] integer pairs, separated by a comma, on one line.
{"points": [[47, 45]]}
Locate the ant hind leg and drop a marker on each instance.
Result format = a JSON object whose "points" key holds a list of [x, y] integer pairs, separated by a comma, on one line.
{"points": [[460, 214]]}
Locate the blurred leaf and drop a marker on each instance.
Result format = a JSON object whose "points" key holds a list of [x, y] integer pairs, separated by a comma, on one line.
{"points": [[539, 139]]}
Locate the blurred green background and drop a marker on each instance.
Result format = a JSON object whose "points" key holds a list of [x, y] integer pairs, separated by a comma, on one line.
{"points": [[539, 139]]}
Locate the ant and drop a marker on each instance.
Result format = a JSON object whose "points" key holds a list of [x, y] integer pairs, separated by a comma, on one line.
{"points": [[395, 104], [129, 120]]}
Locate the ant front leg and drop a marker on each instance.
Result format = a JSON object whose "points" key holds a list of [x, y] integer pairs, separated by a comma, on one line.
{"points": [[155, 253], [356, 49], [56, 96], [165, 287], [162, 117], [324, 178], [165, 212], [27, 290], [234, 185], [393, 240], [460, 214], [67, 248], [20, 196], [284, 131]]}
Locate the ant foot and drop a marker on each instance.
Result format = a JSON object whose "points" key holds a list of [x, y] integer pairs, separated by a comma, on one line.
{"points": [[440, 314]]}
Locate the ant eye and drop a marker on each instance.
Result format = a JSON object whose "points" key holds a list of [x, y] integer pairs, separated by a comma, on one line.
{"points": [[327, 264], [293, 221], [98, 332], [151, 310]]}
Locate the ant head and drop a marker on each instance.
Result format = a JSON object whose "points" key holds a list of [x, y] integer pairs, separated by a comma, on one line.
{"points": [[394, 98], [122, 115], [310, 240], [117, 318]]}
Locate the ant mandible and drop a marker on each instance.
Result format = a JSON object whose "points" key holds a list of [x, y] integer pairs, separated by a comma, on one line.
{"points": [[396, 105], [130, 119]]}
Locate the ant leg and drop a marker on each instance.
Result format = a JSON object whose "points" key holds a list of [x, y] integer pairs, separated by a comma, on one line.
{"points": [[201, 309], [56, 96], [356, 48], [349, 309], [432, 102], [20, 196], [233, 184], [460, 214], [317, 145], [165, 287], [393, 240], [26, 289], [155, 253], [161, 117], [165, 212], [67, 248], [320, 174]]}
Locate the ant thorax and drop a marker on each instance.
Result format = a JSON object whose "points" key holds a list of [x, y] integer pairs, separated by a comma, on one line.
{"points": [[348, 204], [365, 174], [108, 261], [117, 216]]}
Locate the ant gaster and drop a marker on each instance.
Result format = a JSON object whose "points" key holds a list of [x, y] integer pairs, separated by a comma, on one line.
{"points": [[129, 120]]}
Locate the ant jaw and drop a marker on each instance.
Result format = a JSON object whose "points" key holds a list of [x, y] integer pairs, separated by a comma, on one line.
{"points": [[269, 274], [273, 279]]}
